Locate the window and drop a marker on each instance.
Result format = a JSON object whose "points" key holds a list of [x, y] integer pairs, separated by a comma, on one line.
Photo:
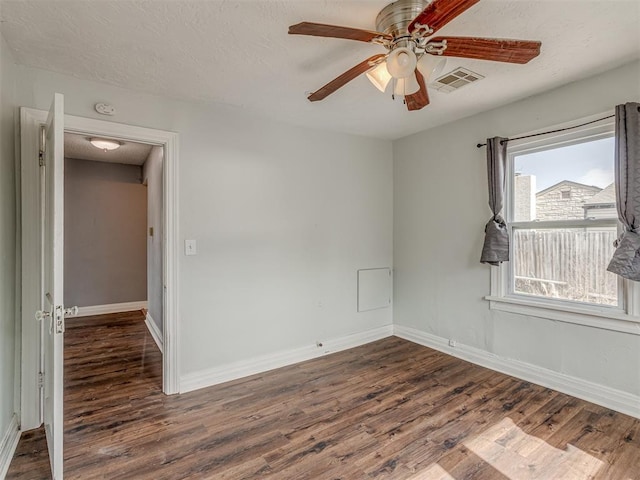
{"points": [[560, 209], [560, 248]]}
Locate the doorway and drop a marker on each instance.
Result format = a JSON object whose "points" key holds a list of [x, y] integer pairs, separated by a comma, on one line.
{"points": [[113, 229], [105, 225], [30, 122]]}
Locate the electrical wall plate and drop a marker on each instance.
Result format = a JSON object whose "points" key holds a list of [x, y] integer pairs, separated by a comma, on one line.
{"points": [[190, 247], [105, 109]]}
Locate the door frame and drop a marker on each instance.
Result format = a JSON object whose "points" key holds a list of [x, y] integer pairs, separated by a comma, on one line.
{"points": [[30, 122]]}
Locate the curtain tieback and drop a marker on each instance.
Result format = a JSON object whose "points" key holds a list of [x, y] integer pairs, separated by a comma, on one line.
{"points": [[626, 231], [499, 220]]}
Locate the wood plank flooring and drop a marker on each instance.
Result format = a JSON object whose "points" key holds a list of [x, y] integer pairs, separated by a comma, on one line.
{"points": [[387, 410]]}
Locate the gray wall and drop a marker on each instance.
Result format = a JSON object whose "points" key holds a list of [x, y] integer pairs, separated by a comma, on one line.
{"points": [[105, 257], [284, 217], [8, 252], [152, 175], [440, 208]]}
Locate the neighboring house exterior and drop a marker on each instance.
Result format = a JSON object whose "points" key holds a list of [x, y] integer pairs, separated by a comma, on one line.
{"points": [[602, 205], [565, 200]]}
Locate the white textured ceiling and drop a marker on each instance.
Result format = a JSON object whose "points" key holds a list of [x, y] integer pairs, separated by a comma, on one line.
{"points": [[130, 153], [239, 53]]}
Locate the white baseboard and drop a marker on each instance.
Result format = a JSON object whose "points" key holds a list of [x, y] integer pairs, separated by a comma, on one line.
{"points": [[592, 392], [243, 368], [111, 308], [8, 445], [154, 330]]}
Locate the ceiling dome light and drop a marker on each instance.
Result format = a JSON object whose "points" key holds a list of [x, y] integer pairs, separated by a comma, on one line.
{"points": [[401, 62], [431, 66], [105, 145], [379, 76]]}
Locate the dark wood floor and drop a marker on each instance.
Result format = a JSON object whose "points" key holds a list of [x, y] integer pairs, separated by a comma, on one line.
{"points": [[387, 410]]}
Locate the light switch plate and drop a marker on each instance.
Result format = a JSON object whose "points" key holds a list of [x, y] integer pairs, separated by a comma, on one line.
{"points": [[190, 247]]}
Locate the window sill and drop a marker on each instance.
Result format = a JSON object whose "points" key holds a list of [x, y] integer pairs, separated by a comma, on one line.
{"points": [[596, 317]]}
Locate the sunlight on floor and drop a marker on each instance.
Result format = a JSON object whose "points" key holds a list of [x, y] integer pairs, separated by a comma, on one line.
{"points": [[434, 472], [519, 456]]}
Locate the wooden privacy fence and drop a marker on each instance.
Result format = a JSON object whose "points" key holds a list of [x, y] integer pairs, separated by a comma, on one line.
{"points": [[567, 264]]}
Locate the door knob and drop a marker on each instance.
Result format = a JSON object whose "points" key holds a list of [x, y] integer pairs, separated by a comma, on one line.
{"points": [[41, 315], [71, 312]]}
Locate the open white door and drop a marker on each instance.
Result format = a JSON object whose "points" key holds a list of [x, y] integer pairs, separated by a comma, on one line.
{"points": [[53, 311]]}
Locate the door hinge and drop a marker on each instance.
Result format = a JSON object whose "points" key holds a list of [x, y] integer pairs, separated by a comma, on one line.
{"points": [[43, 144], [40, 380]]}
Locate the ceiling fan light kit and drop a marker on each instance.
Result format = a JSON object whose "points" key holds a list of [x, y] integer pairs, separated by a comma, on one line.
{"points": [[406, 86], [401, 62], [379, 76], [431, 66], [405, 29]]}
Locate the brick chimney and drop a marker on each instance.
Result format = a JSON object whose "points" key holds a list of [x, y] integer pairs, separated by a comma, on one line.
{"points": [[525, 198]]}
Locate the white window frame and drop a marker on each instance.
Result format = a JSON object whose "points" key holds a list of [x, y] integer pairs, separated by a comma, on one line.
{"points": [[623, 318]]}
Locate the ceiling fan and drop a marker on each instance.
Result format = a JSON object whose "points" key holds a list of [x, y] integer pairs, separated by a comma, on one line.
{"points": [[405, 28]]}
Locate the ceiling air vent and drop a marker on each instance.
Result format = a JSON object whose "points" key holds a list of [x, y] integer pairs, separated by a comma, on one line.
{"points": [[455, 79]]}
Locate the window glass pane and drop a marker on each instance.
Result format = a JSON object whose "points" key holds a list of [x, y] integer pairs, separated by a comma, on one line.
{"points": [[566, 264], [567, 183]]}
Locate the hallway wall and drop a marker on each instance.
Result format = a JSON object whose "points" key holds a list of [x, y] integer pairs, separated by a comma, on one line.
{"points": [[105, 248]]}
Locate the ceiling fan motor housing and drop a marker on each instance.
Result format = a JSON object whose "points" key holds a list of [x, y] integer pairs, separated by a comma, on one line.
{"points": [[396, 17]]}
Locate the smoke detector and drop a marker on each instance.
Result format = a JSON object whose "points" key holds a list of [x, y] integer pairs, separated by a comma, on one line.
{"points": [[105, 109]]}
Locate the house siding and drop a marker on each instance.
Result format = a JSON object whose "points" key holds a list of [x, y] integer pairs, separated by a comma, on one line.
{"points": [[552, 205]]}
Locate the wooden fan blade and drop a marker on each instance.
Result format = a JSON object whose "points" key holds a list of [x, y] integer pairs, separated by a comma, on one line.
{"points": [[440, 12], [334, 31], [496, 49], [343, 79], [420, 99]]}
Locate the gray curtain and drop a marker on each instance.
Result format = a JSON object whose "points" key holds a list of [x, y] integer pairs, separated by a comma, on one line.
{"points": [[626, 258], [496, 237]]}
